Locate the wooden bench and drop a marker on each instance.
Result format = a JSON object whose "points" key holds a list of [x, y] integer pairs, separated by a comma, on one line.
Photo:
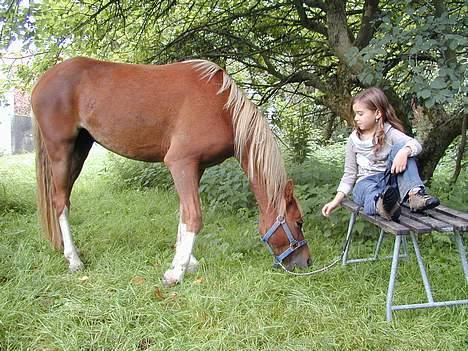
{"points": [[440, 219]]}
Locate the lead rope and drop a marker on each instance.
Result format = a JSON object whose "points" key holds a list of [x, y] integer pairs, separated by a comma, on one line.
{"points": [[323, 269]]}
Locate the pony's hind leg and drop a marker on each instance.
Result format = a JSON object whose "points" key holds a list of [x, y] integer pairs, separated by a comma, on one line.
{"points": [[67, 161]]}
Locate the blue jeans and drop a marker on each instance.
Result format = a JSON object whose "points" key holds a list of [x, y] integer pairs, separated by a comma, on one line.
{"points": [[366, 191]]}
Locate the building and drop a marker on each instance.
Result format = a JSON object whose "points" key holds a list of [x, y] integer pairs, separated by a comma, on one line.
{"points": [[16, 134]]}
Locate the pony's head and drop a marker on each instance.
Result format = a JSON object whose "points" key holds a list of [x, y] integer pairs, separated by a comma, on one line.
{"points": [[283, 234]]}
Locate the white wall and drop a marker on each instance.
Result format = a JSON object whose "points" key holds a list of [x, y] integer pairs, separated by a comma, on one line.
{"points": [[6, 114]]}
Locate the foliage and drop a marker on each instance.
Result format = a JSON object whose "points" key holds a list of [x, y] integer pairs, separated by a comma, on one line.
{"points": [[295, 129], [425, 44], [442, 185], [17, 182], [126, 173], [226, 187]]}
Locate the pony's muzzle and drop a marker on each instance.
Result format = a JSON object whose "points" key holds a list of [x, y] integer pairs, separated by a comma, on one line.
{"points": [[300, 259]]}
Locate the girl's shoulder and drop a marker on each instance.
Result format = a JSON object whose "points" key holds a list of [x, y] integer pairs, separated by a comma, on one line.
{"points": [[388, 128], [391, 131], [353, 138]]}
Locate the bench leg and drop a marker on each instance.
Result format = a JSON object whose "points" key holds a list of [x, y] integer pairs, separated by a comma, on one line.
{"points": [[422, 268], [393, 273], [405, 247], [379, 244], [375, 257], [391, 286], [461, 250], [349, 236]]}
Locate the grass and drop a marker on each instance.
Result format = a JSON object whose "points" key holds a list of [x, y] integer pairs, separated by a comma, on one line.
{"points": [[234, 302]]}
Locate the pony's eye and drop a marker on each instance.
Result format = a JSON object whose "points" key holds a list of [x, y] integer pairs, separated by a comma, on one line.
{"points": [[299, 224]]}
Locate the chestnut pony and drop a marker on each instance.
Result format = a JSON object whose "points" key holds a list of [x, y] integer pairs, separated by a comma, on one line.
{"points": [[189, 115]]}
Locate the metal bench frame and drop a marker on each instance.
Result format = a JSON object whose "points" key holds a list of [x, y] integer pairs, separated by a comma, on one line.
{"points": [[441, 219]]}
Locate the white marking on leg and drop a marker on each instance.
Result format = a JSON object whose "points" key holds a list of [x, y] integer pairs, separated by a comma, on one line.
{"points": [[181, 258], [193, 262], [69, 249]]}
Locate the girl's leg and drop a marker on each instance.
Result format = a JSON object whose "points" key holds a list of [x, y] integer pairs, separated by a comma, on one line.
{"points": [[409, 178], [367, 190]]}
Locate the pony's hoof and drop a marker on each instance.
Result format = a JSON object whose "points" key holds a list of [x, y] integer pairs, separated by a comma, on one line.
{"points": [[171, 278], [75, 267]]}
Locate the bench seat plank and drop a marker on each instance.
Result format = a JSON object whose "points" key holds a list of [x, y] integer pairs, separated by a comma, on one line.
{"points": [[458, 223], [350, 205], [435, 223], [452, 212], [388, 226], [414, 225]]}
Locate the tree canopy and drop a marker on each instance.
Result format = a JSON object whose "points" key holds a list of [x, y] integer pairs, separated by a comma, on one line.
{"points": [[314, 54]]}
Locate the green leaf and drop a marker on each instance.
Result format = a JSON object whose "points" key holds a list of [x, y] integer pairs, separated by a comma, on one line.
{"points": [[425, 93], [438, 83]]}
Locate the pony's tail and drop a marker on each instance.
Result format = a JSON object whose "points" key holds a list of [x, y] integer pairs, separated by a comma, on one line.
{"points": [[45, 188]]}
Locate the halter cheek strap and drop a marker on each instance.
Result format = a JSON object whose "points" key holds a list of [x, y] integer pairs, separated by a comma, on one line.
{"points": [[293, 243]]}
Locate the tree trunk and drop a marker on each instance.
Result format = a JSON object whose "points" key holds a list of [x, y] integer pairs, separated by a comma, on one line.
{"points": [[436, 131]]}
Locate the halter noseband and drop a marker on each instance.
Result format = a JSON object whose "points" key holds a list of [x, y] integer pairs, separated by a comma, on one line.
{"points": [[293, 243]]}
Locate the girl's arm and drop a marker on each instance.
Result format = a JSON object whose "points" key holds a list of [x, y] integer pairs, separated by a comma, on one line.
{"points": [[347, 181], [350, 169], [411, 148]]}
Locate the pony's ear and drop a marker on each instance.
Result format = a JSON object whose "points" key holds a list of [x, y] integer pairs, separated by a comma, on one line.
{"points": [[289, 191]]}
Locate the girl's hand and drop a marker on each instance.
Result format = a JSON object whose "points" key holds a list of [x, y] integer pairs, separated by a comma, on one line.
{"points": [[329, 208], [332, 205], [400, 160]]}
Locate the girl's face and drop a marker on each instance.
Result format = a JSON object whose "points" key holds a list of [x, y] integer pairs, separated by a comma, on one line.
{"points": [[364, 118]]}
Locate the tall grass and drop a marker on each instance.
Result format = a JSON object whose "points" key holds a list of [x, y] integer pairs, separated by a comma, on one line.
{"points": [[234, 302]]}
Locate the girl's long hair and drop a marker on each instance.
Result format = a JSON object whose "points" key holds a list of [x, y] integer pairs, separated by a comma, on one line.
{"points": [[375, 100]]}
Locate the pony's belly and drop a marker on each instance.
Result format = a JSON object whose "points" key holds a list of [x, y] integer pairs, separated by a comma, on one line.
{"points": [[142, 146]]}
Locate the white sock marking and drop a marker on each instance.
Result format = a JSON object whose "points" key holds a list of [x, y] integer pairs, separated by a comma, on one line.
{"points": [[182, 256], [69, 249]]}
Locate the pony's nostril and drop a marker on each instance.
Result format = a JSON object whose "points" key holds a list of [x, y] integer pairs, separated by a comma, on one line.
{"points": [[309, 262]]}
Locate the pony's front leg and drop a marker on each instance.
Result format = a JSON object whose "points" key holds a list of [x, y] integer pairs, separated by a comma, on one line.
{"points": [[182, 258], [186, 177], [69, 249], [193, 262]]}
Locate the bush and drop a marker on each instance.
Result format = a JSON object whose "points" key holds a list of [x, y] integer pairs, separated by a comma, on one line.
{"points": [[452, 194], [126, 173], [226, 186]]}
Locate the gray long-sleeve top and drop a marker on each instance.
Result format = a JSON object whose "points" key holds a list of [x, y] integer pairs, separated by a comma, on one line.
{"points": [[361, 160]]}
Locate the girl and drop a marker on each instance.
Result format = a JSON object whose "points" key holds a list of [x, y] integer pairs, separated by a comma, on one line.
{"points": [[376, 145]]}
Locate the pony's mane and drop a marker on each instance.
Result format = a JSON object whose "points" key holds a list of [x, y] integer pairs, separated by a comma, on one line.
{"points": [[251, 129]]}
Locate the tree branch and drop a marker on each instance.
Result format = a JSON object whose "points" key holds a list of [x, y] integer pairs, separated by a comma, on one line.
{"points": [[306, 21], [368, 23]]}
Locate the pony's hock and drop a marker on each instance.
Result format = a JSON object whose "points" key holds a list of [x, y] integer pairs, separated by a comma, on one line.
{"points": [[440, 219], [81, 101]]}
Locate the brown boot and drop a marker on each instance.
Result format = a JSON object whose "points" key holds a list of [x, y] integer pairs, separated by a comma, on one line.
{"points": [[421, 201]]}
